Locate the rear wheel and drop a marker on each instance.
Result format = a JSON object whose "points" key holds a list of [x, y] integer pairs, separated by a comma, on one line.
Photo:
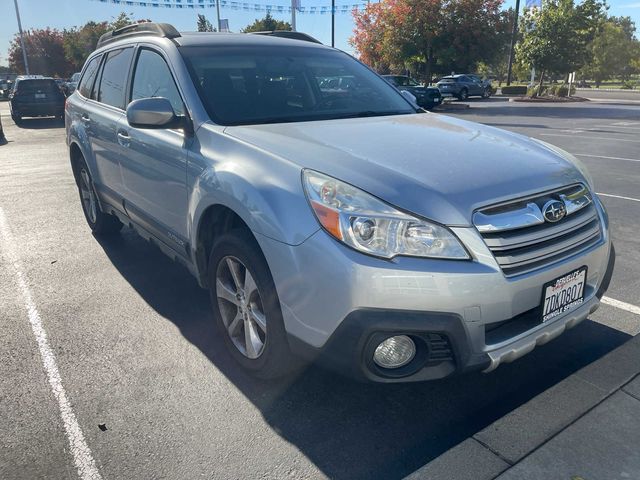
{"points": [[486, 93], [246, 306], [98, 221], [464, 94]]}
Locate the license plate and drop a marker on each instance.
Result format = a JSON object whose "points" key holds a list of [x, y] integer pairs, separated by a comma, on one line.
{"points": [[563, 294], [41, 95]]}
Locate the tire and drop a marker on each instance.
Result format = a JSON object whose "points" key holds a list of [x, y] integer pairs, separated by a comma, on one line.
{"points": [[99, 222], [241, 310], [486, 93], [464, 94]]}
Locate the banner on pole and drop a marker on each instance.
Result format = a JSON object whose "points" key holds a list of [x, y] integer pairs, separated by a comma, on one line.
{"points": [[235, 5]]}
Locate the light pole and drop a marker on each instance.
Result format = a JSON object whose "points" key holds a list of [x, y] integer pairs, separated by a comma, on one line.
{"points": [[333, 23], [218, 13], [24, 50], [514, 32], [294, 4]]}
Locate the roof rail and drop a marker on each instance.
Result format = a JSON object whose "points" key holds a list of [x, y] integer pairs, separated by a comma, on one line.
{"points": [[165, 30], [289, 34]]}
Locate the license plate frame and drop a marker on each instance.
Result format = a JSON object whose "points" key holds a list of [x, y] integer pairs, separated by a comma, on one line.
{"points": [[40, 96], [561, 304]]}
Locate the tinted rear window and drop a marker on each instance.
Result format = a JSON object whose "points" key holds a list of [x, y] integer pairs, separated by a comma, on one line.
{"points": [[89, 76], [32, 86], [114, 77], [448, 80]]}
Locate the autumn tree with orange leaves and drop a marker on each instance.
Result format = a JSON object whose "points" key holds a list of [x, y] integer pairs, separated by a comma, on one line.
{"points": [[435, 35]]}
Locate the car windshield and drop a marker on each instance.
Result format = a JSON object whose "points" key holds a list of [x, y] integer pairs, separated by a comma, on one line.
{"points": [[447, 80], [240, 86], [31, 86]]}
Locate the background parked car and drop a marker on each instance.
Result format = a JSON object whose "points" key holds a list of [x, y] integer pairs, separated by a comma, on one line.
{"points": [[484, 81], [426, 97], [72, 84], [36, 97], [463, 86]]}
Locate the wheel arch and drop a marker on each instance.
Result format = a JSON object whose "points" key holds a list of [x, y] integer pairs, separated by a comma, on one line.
{"points": [[215, 220]]}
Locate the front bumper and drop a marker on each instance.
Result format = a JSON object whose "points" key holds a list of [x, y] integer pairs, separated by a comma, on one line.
{"points": [[336, 302]]}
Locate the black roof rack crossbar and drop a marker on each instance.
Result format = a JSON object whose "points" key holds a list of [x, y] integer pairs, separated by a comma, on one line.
{"points": [[148, 28], [289, 34]]}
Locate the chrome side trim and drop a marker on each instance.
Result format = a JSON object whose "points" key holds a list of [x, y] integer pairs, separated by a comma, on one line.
{"points": [[528, 216]]}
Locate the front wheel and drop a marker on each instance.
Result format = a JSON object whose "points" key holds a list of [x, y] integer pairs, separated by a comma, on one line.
{"points": [[246, 306], [99, 222], [486, 93]]}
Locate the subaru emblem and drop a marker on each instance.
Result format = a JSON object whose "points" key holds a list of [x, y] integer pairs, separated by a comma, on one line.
{"points": [[554, 211]]}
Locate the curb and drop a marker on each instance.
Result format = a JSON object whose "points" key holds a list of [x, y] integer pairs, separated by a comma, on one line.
{"points": [[508, 440]]}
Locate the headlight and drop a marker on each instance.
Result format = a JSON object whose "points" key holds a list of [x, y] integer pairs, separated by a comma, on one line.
{"points": [[371, 226]]}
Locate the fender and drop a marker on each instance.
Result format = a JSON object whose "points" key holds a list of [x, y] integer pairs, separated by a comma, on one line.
{"points": [[263, 189]]}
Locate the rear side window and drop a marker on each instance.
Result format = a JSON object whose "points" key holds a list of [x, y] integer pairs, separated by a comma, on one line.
{"points": [[114, 77], [152, 78], [89, 76]]}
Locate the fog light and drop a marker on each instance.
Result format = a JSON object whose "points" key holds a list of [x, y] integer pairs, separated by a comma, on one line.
{"points": [[394, 352]]}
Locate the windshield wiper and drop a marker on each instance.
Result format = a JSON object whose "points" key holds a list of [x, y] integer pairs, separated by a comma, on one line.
{"points": [[372, 113]]}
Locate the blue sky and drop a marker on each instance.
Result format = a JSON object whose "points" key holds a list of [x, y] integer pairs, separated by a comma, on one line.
{"points": [[68, 13]]}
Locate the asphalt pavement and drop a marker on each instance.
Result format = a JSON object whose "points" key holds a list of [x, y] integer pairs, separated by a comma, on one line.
{"points": [[150, 387]]}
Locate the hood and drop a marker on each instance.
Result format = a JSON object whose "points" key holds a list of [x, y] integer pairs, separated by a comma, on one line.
{"points": [[438, 167]]}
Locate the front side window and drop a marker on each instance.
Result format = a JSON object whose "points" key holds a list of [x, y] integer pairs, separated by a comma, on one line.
{"points": [[86, 84], [240, 85], [114, 77], [152, 78]]}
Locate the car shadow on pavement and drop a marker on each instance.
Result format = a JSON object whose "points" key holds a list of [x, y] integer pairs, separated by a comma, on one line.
{"points": [[353, 430]]}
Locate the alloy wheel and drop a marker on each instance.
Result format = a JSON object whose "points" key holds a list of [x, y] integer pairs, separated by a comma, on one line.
{"points": [[241, 307], [88, 196]]}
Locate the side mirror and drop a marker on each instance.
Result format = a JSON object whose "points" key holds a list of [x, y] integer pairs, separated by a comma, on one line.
{"points": [[155, 112], [409, 96]]}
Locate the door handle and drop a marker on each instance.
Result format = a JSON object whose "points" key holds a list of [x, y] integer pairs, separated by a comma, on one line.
{"points": [[85, 117], [123, 138]]}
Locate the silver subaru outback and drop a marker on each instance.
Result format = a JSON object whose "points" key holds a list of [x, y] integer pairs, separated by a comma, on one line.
{"points": [[330, 218]]}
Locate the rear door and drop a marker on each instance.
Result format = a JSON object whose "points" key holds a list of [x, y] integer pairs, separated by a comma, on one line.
{"points": [[101, 113], [154, 168]]}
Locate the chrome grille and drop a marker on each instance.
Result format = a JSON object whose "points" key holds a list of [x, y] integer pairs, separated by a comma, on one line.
{"points": [[520, 238]]}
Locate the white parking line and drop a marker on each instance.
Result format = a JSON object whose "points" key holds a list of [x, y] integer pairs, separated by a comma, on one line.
{"points": [[82, 457], [618, 196], [614, 126], [621, 305], [589, 137], [607, 158]]}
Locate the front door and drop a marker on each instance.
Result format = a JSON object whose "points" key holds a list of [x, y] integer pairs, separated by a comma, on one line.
{"points": [[154, 169]]}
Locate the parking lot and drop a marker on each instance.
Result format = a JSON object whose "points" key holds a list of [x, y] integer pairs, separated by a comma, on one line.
{"points": [[149, 386]]}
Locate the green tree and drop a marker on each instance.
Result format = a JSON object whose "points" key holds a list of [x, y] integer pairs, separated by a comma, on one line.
{"points": [[122, 20], [45, 53], [204, 25], [267, 24], [437, 35], [556, 38], [80, 42], [612, 51]]}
